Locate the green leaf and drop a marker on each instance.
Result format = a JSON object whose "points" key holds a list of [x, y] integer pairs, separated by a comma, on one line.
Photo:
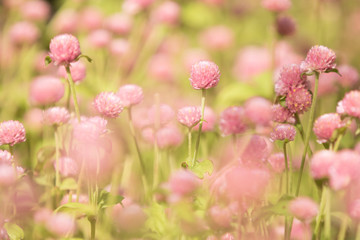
{"points": [[334, 70], [68, 184], [76, 208], [201, 168], [84, 56], [14, 231], [48, 60], [44, 180], [107, 199]]}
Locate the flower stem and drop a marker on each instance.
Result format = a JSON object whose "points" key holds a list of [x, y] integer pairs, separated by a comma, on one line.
{"points": [[92, 221], [203, 92], [327, 227], [320, 215], [57, 174], [286, 188], [189, 144], [343, 227], [300, 127], [73, 92], [11, 150], [358, 232]]}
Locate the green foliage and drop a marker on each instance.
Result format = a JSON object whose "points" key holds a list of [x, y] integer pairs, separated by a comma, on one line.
{"points": [[68, 184], [14, 231], [202, 168]]}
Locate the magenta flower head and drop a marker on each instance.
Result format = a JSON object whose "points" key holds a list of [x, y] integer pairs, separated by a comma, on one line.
{"points": [[285, 26], [325, 126], [285, 132], [298, 100], [304, 208], [168, 136], [232, 121], [12, 132], [67, 167], [130, 94], [24, 33], [161, 114], [319, 59], [276, 5], [64, 49], [5, 157], [183, 182], [45, 90], [77, 70], [189, 116], [277, 162], [61, 224], [56, 116], [290, 77], [349, 76], [281, 114], [204, 75], [108, 104], [321, 162], [350, 104], [258, 111]]}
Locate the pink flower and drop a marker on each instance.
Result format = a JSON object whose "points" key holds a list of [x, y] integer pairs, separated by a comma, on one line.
{"points": [[290, 78], [66, 21], [64, 49], [227, 236], [281, 114], [5, 157], [349, 76], [169, 136], [283, 132], [130, 94], [37, 10], [160, 68], [232, 121], [353, 209], [67, 167], [12, 132], [350, 104], [325, 126], [91, 18], [45, 90], [321, 163], [7, 175], [285, 25], [217, 37], [119, 47], [209, 120], [189, 116], [204, 75], [61, 224], [99, 38], [298, 100], [304, 208], [119, 23], [129, 218], [276, 5], [220, 217], [77, 70], [277, 162], [168, 12], [56, 115], [161, 114], [24, 33], [258, 111], [320, 59], [89, 129], [108, 104], [255, 150], [183, 183]]}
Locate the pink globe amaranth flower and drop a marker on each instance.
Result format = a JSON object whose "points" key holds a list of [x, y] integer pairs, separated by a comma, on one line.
{"points": [[160, 68], [298, 100], [183, 183], [255, 150], [33, 119], [119, 23], [61, 224], [189, 116], [161, 114], [6, 157], [209, 120], [37, 10], [320, 59], [7, 175], [77, 70], [277, 162], [130, 94], [24, 33], [232, 121], [99, 38], [67, 167], [220, 217], [227, 236], [276, 5], [204, 75], [45, 90], [290, 78], [66, 21], [353, 209], [283, 132], [300, 230], [321, 163], [119, 47], [64, 49], [281, 114], [258, 111], [217, 38], [108, 104], [128, 218], [168, 12], [56, 116], [325, 126], [12, 132], [91, 19], [328, 84], [285, 25], [304, 208], [349, 76], [285, 54], [350, 104], [340, 108], [169, 136], [192, 56], [42, 215], [89, 129]]}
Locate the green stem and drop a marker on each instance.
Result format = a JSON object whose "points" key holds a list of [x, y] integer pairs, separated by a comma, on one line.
{"points": [[343, 227], [57, 173], [11, 150], [203, 92], [327, 224], [80, 180], [73, 92], [358, 232], [286, 189], [320, 215], [300, 127], [92, 221], [189, 145]]}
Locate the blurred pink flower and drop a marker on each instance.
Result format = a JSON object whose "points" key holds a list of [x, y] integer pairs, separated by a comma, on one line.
{"points": [[258, 111], [119, 23], [161, 114], [183, 183], [189, 116], [283, 132], [350, 104], [99, 38], [24, 33], [232, 121], [64, 49], [320, 59], [304, 208], [77, 70], [281, 114], [325, 125], [7, 175], [349, 76], [46, 90], [6, 157], [119, 47], [220, 217], [254, 150], [56, 115], [160, 68], [209, 120], [36, 10], [321, 163], [204, 75], [12, 132], [91, 19], [276, 5], [217, 37], [67, 167], [169, 136], [277, 162], [66, 21], [130, 94], [108, 104], [128, 218], [61, 224], [168, 12]]}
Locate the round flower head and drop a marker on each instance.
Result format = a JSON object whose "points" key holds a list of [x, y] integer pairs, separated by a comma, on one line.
{"points": [[218, 37], [91, 18], [298, 100], [258, 111], [130, 95], [89, 129], [283, 132], [189, 116], [77, 70], [290, 77], [162, 114], [320, 59], [11, 132], [281, 114], [220, 217], [24, 33], [108, 104], [168, 136], [99, 38], [255, 150], [168, 12], [183, 182], [56, 115], [5, 157], [304, 208], [349, 76], [209, 120], [277, 162], [64, 49], [276, 5], [204, 75], [285, 26], [45, 90], [119, 23], [67, 167], [350, 105], [325, 126], [321, 162], [61, 224], [37, 10], [232, 121], [119, 47], [7, 175]]}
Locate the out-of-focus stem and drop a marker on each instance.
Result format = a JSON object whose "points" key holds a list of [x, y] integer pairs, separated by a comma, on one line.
{"points": [[203, 92], [57, 174], [286, 189], [343, 227], [73, 92], [320, 215], [358, 232], [189, 144], [299, 126]]}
